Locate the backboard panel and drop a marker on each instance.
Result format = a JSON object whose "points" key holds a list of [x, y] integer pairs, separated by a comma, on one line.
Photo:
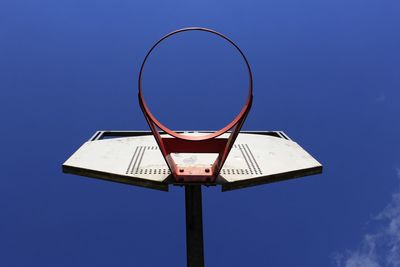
{"points": [[134, 158]]}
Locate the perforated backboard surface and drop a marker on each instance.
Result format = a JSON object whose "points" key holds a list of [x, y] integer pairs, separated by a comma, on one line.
{"points": [[133, 157]]}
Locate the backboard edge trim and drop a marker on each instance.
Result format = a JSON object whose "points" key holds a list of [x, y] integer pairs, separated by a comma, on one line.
{"points": [[114, 178], [271, 178]]}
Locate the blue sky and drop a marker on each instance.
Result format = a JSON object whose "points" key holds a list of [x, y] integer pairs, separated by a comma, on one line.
{"points": [[325, 72]]}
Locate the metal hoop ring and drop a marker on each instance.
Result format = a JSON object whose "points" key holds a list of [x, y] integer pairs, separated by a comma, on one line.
{"points": [[229, 126]]}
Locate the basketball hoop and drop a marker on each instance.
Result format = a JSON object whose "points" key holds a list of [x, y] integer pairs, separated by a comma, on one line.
{"points": [[175, 142], [243, 159]]}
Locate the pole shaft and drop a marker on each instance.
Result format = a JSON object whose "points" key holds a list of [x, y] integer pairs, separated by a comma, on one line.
{"points": [[194, 226]]}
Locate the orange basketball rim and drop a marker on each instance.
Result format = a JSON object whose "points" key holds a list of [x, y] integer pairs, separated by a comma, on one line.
{"points": [[171, 142]]}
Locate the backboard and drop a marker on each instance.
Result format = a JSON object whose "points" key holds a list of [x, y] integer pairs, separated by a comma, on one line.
{"points": [[133, 157]]}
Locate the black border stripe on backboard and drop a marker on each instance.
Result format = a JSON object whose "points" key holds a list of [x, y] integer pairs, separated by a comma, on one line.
{"points": [[140, 159], [136, 159], [254, 160], [253, 169], [245, 158], [130, 163]]}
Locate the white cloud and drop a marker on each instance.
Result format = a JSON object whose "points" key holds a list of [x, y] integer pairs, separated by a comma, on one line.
{"points": [[381, 248]]}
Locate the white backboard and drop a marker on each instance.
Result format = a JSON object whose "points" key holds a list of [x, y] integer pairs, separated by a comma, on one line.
{"points": [[133, 157]]}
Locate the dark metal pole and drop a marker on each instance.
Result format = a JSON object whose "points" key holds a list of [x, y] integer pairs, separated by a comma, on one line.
{"points": [[194, 226]]}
